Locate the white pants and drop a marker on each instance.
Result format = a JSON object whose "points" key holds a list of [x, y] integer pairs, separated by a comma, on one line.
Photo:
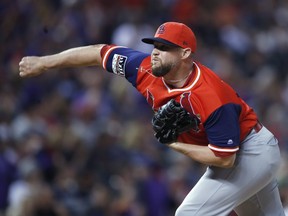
{"points": [[249, 187]]}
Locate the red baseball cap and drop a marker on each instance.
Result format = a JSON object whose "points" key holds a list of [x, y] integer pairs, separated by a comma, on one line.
{"points": [[174, 34]]}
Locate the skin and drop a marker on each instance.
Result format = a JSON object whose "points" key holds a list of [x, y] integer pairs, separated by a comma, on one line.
{"points": [[76, 57], [171, 63], [163, 59]]}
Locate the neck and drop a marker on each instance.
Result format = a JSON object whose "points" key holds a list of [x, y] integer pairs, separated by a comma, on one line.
{"points": [[177, 82]]}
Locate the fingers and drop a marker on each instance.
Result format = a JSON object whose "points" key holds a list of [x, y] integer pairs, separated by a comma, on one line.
{"points": [[30, 66], [23, 67]]}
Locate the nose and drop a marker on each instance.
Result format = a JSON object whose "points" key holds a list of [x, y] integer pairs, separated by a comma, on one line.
{"points": [[155, 52]]}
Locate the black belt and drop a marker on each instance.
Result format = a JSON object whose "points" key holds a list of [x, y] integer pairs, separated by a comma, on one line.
{"points": [[258, 127]]}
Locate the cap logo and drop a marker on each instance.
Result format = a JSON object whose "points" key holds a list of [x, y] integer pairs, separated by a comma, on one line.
{"points": [[161, 29], [185, 43]]}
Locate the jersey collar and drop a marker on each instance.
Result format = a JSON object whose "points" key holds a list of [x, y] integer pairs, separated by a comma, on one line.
{"points": [[186, 88]]}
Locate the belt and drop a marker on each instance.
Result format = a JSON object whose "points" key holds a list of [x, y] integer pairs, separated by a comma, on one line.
{"points": [[257, 127]]}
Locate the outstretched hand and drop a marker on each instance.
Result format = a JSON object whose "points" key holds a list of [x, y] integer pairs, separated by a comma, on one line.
{"points": [[31, 66]]}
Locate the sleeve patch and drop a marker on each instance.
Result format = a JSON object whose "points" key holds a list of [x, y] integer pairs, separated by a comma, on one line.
{"points": [[119, 64], [124, 62]]}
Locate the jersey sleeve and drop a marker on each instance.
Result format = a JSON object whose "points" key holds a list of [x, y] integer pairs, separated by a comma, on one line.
{"points": [[122, 61], [223, 130]]}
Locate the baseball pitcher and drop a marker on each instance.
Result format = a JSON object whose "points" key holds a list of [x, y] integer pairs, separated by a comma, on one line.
{"points": [[196, 114]]}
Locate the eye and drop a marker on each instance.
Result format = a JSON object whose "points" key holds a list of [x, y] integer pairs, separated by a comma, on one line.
{"points": [[163, 47]]}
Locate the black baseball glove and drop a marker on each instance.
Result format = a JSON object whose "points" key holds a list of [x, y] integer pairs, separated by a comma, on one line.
{"points": [[171, 120]]}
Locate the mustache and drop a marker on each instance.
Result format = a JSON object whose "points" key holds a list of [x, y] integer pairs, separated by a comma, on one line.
{"points": [[155, 59]]}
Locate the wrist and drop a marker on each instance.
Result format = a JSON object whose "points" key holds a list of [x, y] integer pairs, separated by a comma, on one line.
{"points": [[45, 63], [173, 144]]}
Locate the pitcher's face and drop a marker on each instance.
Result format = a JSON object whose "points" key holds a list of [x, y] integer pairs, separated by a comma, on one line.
{"points": [[164, 58]]}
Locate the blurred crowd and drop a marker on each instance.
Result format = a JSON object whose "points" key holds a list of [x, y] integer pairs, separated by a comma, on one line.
{"points": [[78, 141]]}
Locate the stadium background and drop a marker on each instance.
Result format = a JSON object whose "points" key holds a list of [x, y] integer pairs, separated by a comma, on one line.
{"points": [[79, 141]]}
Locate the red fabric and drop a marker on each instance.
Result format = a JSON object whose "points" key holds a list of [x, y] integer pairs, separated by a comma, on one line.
{"points": [[204, 93]]}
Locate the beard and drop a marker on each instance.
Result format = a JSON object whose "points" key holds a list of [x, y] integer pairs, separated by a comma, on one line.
{"points": [[162, 70]]}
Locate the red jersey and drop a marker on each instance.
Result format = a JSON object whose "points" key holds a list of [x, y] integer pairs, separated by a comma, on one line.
{"points": [[225, 118]]}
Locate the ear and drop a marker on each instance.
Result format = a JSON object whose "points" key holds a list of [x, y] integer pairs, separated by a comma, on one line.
{"points": [[186, 53]]}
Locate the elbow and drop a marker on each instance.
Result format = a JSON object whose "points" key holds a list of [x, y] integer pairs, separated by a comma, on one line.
{"points": [[227, 162], [227, 165]]}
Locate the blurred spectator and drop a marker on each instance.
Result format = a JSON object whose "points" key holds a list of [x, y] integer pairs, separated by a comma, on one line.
{"points": [[7, 174]]}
